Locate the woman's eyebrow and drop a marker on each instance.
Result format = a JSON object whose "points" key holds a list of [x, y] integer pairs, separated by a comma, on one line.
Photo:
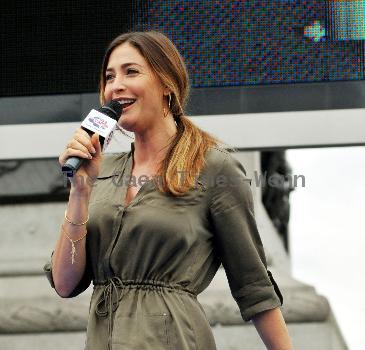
{"points": [[124, 65]]}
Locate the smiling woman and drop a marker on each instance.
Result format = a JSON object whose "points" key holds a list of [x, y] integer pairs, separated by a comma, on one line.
{"points": [[151, 247], [147, 68], [136, 87]]}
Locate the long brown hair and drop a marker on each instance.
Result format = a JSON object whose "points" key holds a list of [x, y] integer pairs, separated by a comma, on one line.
{"points": [[186, 154]]}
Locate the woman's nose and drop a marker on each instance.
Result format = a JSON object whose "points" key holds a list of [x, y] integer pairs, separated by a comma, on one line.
{"points": [[118, 84]]}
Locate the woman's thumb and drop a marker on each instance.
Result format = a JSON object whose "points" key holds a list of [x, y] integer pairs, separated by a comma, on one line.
{"points": [[96, 143]]}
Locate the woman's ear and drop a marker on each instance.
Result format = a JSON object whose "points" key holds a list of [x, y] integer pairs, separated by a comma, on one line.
{"points": [[166, 91]]}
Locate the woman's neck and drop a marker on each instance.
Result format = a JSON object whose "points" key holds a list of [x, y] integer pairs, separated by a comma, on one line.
{"points": [[151, 149]]}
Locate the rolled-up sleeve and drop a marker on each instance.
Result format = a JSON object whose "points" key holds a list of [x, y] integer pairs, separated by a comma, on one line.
{"points": [[238, 242], [80, 287]]}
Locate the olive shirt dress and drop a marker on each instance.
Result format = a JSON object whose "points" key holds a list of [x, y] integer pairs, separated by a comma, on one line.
{"points": [[150, 259]]}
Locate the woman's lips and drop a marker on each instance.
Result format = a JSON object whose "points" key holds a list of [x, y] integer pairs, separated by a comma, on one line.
{"points": [[127, 107]]}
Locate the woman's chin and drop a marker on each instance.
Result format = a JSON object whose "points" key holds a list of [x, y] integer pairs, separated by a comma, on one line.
{"points": [[126, 124]]}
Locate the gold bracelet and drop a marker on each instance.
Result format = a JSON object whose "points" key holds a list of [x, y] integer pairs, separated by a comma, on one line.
{"points": [[76, 223], [73, 248]]}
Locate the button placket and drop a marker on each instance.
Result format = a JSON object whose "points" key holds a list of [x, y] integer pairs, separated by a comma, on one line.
{"points": [[117, 222]]}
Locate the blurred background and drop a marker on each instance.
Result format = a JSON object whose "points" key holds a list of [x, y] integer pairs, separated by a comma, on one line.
{"points": [[282, 81], [327, 237]]}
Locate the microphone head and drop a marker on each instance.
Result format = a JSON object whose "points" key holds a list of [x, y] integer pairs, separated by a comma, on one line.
{"points": [[112, 109]]}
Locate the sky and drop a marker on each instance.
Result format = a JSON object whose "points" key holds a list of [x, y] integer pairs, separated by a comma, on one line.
{"points": [[327, 233]]}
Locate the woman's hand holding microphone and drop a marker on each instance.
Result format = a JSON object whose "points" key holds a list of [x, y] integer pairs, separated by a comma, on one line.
{"points": [[81, 159], [88, 148]]}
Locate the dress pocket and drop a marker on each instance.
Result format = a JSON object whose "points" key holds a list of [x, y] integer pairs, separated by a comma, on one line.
{"points": [[142, 332]]}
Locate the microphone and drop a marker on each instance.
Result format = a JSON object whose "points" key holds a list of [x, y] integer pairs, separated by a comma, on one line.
{"points": [[103, 121]]}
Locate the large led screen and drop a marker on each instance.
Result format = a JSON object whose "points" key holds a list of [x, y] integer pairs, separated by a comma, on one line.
{"points": [[52, 47], [230, 43]]}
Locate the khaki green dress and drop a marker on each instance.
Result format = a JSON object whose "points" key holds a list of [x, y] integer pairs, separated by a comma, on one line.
{"points": [[149, 260]]}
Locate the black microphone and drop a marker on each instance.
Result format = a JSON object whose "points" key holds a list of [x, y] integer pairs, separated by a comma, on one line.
{"points": [[103, 121]]}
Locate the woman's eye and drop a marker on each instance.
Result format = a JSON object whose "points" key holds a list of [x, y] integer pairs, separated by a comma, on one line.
{"points": [[132, 71], [108, 77]]}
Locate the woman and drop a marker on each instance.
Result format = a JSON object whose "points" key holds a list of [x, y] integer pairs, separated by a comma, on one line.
{"points": [[163, 217]]}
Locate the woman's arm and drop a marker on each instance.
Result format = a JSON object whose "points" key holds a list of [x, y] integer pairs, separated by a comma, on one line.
{"points": [[240, 248], [66, 274], [272, 329], [69, 261]]}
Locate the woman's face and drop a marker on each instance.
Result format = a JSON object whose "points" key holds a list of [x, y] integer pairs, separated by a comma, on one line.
{"points": [[130, 80]]}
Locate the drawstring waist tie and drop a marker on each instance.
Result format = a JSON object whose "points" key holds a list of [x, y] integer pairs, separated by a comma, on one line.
{"points": [[114, 290]]}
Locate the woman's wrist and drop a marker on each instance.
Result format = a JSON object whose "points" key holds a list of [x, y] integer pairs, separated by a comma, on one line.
{"points": [[80, 192], [81, 184]]}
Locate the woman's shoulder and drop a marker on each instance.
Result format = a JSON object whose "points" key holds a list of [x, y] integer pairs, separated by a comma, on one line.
{"points": [[220, 160], [224, 174]]}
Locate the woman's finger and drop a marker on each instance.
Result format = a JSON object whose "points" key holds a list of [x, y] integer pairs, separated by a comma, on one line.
{"points": [[77, 145], [70, 152], [84, 138]]}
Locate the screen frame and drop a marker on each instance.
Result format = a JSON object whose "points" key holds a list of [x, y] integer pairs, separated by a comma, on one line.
{"points": [[277, 117]]}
